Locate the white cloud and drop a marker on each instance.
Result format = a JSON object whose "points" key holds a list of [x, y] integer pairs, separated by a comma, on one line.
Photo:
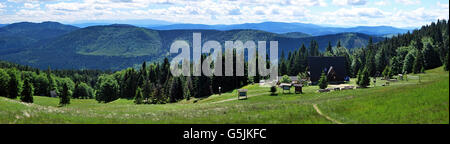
{"points": [[408, 2], [442, 5], [24, 1], [382, 3], [349, 2], [30, 5], [358, 12], [2, 5]]}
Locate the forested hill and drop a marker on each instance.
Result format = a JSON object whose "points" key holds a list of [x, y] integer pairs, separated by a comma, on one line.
{"points": [[422, 49], [117, 47], [18, 36], [36, 31]]}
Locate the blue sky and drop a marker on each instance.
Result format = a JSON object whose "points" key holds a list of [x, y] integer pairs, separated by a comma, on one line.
{"points": [[398, 13]]}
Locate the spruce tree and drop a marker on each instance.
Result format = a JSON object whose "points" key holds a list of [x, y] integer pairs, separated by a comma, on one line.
{"points": [[364, 79], [283, 68], [188, 88], [147, 91], [323, 82], [138, 98], [418, 63], [408, 62], [52, 83], [431, 57], [329, 48], [176, 91], [27, 92], [386, 72], [4, 81], [64, 98], [14, 84]]}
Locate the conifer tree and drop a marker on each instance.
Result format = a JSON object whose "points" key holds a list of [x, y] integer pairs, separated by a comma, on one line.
{"points": [[329, 48], [364, 78], [323, 82], [418, 63], [64, 98], [176, 91], [52, 83], [27, 92], [4, 80], [147, 91], [138, 98], [387, 72], [187, 88], [14, 84]]}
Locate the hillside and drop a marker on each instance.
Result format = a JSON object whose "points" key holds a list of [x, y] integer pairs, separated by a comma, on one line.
{"points": [[120, 46], [296, 35], [403, 102], [18, 36], [36, 31]]}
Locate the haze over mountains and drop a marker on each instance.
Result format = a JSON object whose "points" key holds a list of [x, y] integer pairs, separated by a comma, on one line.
{"points": [[139, 23], [280, 27], [120, 46]]}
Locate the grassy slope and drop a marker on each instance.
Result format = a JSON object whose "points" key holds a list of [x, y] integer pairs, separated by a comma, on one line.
{"points": [[427, 102], [402, 102]]}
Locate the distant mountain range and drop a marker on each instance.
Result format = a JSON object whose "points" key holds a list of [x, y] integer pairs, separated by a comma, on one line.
{"points": [[280, 27], [120, 46], [139, 23]]}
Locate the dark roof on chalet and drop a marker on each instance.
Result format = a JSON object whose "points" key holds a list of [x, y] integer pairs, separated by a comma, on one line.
{"points": [[317, 65]]}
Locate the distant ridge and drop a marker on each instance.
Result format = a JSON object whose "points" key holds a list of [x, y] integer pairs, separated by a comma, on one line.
{"points": [[37, 31], [281, 27], [120, 46], [139, 22]]}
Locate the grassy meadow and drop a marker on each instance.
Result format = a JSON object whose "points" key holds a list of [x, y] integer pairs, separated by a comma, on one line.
{"points": [[404, 102]]}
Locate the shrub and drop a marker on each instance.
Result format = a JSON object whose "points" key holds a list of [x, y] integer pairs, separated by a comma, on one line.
{"points": [[108, 89], [273, 90], [285, 79], [82, 90]]}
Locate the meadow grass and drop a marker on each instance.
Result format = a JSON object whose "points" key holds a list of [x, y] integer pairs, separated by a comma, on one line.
{"points": [[401, 102]]}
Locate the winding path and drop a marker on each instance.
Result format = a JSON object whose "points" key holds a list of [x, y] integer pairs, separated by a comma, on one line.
{"points": [[327, 117]]}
